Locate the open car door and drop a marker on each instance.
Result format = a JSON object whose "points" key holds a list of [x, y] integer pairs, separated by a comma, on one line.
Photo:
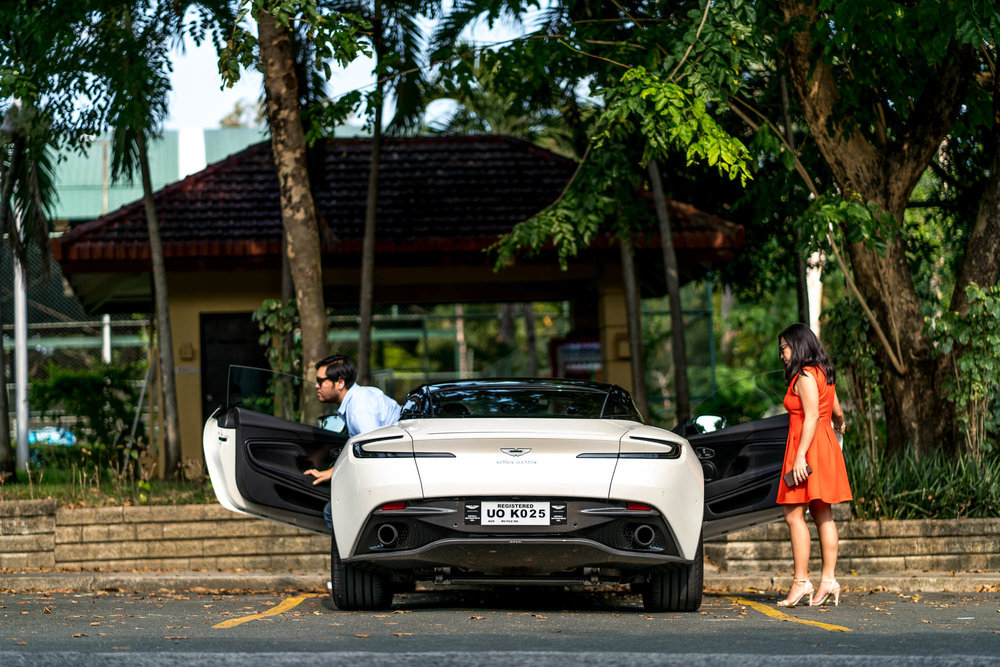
{"points": [[257, 461], [742, 462]]}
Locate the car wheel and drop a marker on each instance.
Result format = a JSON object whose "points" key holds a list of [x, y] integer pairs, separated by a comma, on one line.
{"points": [[357, 588], [676, 587]]}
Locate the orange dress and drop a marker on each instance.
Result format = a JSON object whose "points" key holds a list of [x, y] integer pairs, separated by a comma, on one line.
{"points": [[828, 481]]}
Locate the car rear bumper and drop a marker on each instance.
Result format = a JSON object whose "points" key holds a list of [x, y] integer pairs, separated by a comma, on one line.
{"points": [[582, 533], [511, 556]]}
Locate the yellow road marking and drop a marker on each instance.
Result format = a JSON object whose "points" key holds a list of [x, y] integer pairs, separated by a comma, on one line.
{"points": [[282, 607], [774, 613]]}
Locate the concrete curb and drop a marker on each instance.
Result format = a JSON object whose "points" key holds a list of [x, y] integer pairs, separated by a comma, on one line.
{"points": [[260, 581]]}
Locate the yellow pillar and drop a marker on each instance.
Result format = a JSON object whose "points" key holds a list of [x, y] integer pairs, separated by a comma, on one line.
{"points": [[616, 362]]}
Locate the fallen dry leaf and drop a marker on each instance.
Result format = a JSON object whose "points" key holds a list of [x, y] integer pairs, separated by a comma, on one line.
{"points": [[363, 636], [47, 610], [96, 623], [177, 638], [403, 634], [80, 634], [478, 618]]}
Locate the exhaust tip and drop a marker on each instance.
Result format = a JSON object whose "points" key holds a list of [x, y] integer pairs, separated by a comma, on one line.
{"points": [[643, 536], [387, 535]]}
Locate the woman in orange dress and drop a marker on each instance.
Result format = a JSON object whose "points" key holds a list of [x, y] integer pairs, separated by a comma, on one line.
{"points": [[815, 417]]}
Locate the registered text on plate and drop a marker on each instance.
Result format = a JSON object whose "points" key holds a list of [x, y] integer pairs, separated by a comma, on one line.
{"points": [[514, 513]]}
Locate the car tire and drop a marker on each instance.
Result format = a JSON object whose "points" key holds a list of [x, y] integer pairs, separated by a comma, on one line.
{"points": [[357, 588], [676, 587]]}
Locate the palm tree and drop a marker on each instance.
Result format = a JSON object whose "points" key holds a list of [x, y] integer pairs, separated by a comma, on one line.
{"points": [[137, 103], [43, 50], [26, 191], [397, 44]]}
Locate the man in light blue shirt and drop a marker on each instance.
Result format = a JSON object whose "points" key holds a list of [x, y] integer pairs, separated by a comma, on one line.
{"points": [[363, 409]]}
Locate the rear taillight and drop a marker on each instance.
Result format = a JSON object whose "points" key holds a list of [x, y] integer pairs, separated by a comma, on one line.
{"points": [[388, 507]]}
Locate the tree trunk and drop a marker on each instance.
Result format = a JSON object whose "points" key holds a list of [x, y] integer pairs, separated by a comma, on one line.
{"points": [[917, 414], [981, 263], [678, 346], [298, 211], [365, 302], [171, 420], [633, 315]]}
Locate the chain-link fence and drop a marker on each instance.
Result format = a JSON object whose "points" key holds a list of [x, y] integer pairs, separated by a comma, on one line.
{"points": [[77, 347]]}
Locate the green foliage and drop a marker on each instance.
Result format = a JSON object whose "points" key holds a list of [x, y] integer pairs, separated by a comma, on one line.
{"points": [[932, 486], [669, 118], [279, 326], [103, 399], [334, 36], [849, 219], [850, 343], [974, 382]]}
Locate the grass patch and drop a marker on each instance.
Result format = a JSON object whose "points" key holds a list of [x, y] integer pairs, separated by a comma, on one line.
{"points": [[95, 487]]}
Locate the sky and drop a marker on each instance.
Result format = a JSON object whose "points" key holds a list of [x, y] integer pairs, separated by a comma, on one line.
{"points": [[199, 101]]}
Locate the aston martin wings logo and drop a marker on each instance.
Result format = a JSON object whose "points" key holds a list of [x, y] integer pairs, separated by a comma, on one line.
{"points": [[515, 451]]}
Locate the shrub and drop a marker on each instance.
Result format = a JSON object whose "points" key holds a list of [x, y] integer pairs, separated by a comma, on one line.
{"points": [[103, 398], [934, 486]]}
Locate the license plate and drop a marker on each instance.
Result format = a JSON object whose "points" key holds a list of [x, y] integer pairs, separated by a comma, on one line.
{"points": [[515, 513]]}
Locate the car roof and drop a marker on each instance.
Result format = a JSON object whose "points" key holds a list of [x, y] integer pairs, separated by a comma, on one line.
{"points": [[519, 383]]}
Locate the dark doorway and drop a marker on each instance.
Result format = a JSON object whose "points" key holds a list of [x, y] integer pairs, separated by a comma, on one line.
{"points": [[226, 339]]}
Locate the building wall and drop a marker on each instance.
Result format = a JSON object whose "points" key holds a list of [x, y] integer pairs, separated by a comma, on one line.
{"points": [[192, 294]]}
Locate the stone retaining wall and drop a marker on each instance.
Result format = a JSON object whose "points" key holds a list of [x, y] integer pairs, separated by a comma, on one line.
{"points": [[40, 535], [870, 546]]}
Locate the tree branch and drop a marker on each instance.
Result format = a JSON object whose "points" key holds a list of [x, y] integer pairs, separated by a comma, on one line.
{"points": [[704, 16], [931, 119], [894, 355]]}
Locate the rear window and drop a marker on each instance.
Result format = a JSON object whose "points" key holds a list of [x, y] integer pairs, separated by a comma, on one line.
{"points": [[517, 402]]}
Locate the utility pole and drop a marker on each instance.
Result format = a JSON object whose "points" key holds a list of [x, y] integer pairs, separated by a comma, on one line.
{"points": [[21, 356]]}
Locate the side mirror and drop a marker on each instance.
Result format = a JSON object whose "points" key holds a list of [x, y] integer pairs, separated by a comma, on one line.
{"points": [[709, 423], [332, 422]]}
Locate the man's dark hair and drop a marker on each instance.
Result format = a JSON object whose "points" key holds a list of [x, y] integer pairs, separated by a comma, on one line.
{"points": [[339, 366]]}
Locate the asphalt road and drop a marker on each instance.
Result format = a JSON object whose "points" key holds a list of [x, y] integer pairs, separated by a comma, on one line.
{"points": [[532, 626]]}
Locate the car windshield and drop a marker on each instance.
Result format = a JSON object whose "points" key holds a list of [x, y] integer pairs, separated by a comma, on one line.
{"points": [[571, 402]]}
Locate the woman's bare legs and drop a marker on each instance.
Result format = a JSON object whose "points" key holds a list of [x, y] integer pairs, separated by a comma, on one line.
{"points": [[795, 517], [829, 543]]}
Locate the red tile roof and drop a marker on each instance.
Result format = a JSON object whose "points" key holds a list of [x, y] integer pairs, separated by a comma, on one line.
{"points": [[435, 194]]}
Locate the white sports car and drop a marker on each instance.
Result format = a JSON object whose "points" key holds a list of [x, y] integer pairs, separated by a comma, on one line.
{"points": [[505, 481]]}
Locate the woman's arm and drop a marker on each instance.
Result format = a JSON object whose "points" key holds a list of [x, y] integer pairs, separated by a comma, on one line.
{"points": [[805, 387], [839, 425]]}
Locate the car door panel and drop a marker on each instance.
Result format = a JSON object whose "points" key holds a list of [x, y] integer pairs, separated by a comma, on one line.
{"points": [[742, 465], [266, 459]]}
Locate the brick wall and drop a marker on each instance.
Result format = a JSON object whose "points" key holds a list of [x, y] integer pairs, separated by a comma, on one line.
{"points": [[27, 534], [870, 546], [38, 534]]}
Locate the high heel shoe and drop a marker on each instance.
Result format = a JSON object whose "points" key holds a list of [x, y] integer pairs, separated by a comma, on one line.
{"points": [[834, 591], [807, 592]]}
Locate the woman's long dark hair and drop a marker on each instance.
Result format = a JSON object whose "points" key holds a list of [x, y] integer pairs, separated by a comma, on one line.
{"points": [[806, 351]]}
